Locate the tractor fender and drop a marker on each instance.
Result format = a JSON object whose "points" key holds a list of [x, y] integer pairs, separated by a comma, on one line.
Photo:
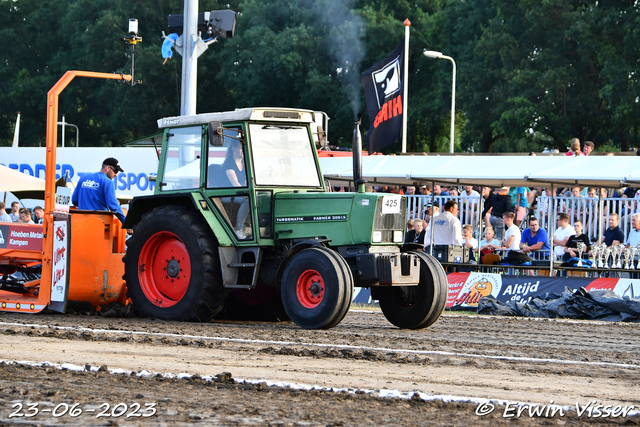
{"points": [[294, 250], [143, 204]]}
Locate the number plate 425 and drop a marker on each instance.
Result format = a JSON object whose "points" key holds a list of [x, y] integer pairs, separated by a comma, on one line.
{"points": [[391, 204]]}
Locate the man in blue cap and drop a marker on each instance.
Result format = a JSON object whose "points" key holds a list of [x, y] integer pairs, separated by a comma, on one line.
{"points": [[97, 192]]}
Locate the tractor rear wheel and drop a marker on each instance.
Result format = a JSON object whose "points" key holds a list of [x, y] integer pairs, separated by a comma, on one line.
{"points": [[172, 268], [416, 307], [316, 288]]}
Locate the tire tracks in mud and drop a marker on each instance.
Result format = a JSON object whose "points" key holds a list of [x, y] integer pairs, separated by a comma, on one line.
{"points": [[479, 356]]}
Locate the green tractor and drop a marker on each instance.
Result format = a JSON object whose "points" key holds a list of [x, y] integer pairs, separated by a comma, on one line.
{"points": [[242, 222]]}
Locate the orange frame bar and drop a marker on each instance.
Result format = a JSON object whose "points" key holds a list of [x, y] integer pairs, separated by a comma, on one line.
{"points": [[44, 296]]}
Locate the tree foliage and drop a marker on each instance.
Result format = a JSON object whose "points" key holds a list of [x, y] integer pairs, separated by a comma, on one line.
{"points": [[530, 73]]}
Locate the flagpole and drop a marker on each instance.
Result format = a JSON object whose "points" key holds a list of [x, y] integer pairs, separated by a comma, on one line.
{"points": [[405, 85], [16, 133]]}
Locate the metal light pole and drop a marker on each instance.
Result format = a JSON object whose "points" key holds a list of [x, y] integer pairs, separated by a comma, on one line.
{"points": [[64, 124], [439, 55]]}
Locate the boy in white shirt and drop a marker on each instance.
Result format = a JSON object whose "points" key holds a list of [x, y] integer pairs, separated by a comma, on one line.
{"points": [[512, 236], [467, 238]]}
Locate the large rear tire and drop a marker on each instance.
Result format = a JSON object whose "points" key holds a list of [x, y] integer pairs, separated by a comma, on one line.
{"points": [[171, 267], [316, 288], [416, 307]]}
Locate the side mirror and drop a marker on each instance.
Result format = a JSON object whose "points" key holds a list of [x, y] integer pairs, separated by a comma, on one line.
{"points": [[216, 137]]}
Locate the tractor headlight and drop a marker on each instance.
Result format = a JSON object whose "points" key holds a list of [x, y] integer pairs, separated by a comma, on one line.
{"points": [[377, 237], [397, 236]]}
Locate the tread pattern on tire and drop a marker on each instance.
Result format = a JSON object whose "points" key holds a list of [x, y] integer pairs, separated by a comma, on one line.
{"points": [[348, 278], [419, 317], [212, 293], [329, 313]]}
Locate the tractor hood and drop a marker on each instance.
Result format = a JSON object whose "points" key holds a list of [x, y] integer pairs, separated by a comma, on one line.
{"points": [[343, 218]]}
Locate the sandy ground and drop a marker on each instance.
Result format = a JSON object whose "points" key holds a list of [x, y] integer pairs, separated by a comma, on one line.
{"points": [[537, 367]]}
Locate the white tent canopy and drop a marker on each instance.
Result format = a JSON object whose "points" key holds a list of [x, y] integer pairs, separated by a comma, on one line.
{"points": [[494, 171], [12, 180]]}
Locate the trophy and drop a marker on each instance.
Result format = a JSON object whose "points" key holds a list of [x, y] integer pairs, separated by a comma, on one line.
{"points": [[581, 247], [614, 256], [619, 250], [607, 252], [634, 250], [597, 255], [627, 257]]}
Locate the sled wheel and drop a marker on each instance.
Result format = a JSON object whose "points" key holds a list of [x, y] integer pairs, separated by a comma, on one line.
{"points": [[314, 288], [171, 267], [416, 307]]}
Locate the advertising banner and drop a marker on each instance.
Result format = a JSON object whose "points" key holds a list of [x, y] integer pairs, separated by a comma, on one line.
{"points": [[466, 289], [60, 257], [139, 163], [21, 237]]}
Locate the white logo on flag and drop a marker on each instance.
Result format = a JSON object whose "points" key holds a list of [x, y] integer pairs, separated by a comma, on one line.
{"points": [[387, 81]]}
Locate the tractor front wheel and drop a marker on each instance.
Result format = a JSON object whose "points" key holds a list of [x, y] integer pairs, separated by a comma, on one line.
{"points": [[316, 288], [416, 307]]}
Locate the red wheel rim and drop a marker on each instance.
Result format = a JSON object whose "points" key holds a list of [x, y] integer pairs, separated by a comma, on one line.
{"points": [[310, 289], [164, 269]]}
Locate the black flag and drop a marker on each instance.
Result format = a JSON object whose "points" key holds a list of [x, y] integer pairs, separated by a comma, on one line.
{"points": [[383, 88]]}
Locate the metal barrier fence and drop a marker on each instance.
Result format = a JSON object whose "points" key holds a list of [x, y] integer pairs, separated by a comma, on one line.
{"points": [[587, 210]]}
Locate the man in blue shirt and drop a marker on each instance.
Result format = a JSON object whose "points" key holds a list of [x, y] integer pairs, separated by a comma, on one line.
{"points": [[96, 192], [613, 236], [534, 238]]}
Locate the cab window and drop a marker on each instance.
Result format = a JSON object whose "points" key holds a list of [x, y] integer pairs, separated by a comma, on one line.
{"points": [[226, 164], [182, 159]]}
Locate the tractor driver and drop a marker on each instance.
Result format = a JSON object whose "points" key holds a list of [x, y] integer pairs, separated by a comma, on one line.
{"points": [[234, 167], [97, 192]]}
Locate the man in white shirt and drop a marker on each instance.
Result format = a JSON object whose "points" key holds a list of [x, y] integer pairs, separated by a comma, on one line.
{"points": [[25, 216], [4, 216], [15, 214], [446, 226], [512, 235], [633, 239], [562, 234]]}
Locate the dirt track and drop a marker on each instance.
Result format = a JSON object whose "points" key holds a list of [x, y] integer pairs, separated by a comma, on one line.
{"points": [[516, 360]]}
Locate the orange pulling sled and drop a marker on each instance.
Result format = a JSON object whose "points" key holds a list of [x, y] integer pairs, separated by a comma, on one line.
{"points": [[80, 251]]}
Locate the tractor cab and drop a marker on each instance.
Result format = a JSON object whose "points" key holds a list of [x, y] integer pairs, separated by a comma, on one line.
{"points": [[238, 160]]}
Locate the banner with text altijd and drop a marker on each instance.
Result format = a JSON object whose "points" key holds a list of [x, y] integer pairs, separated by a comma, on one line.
{"points": [[466, 289], [139, 163]]}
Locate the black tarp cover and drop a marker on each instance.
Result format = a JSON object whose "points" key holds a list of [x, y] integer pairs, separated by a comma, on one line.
{"points": [[580, 304]]}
